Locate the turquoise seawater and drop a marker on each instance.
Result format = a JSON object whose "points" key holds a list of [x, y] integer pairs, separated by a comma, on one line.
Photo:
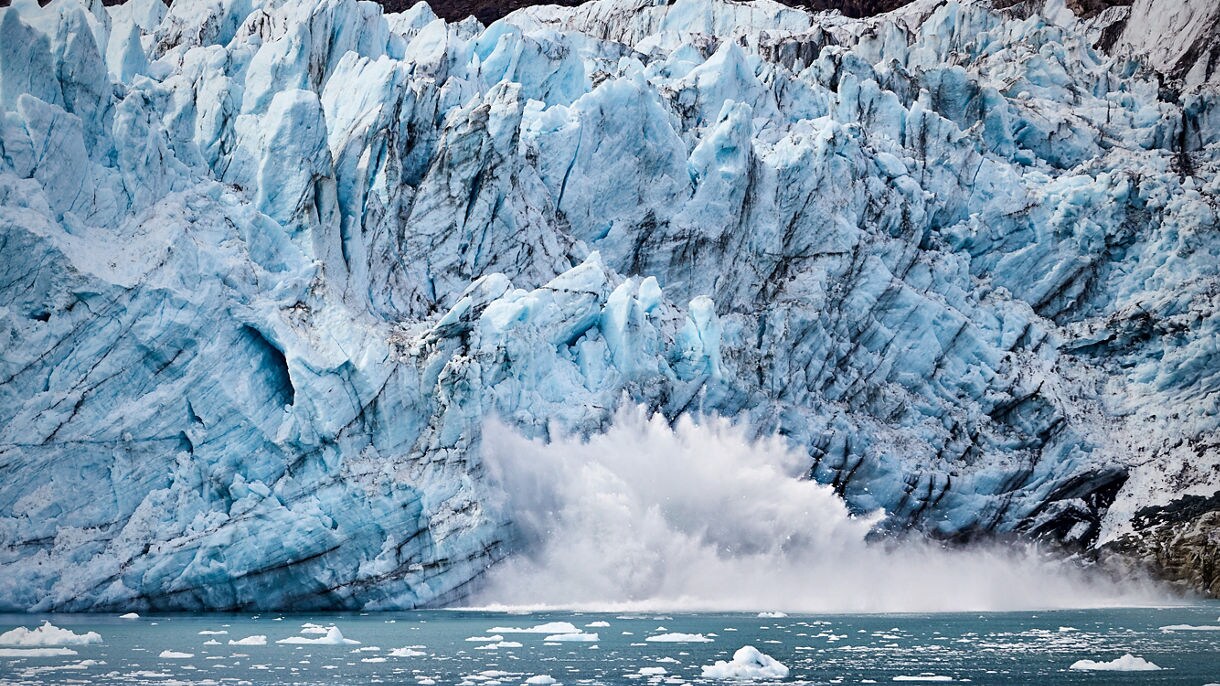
{"points": [[435, 647]]}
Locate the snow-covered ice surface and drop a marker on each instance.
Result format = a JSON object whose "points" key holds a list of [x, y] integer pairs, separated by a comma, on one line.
{"points": [[268, 267], [982, 649]]}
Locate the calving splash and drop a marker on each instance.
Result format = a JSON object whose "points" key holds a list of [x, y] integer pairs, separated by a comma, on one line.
{"points": [[700, 516]]}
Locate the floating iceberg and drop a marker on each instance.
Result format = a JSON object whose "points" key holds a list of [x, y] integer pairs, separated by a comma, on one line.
{"points": [[333, 637], [678, 638], [578, 637], [1126, 663], [747, 663], [36, 652], [47, 635], [548, 628]]}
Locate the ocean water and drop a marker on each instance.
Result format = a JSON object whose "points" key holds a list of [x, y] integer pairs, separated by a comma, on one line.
{"points": [[452, 647]]}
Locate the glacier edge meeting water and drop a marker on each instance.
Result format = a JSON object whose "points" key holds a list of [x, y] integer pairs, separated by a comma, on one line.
{"points": [[269, 266]]}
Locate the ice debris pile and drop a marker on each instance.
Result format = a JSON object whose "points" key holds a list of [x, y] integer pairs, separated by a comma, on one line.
{"points": [[268, 265]]}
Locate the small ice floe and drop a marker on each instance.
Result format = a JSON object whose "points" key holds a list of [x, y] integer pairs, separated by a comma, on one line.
{"points": [[408, 651], [923, 677], [46, 636], [747, 663], [541, 680], [211, 642], [372, 659], [485, 639], [1126, 663], [548, 628], [36, 652], [69, 667], [333, 637], [129, 615], [678, 638], [175, 655], [772, 615], [1190, 627], [652, 671], [577, 637], [1067, 629], [209, 632], [498, 645], [255, 640], [597, 625]]}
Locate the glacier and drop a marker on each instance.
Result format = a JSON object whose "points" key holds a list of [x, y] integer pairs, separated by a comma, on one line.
{"points": [[268, 267]]}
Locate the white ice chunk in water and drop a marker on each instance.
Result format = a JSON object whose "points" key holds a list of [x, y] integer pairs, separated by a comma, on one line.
{"points": [[748, 663], [333, 637], [47, 635], [256, 640], [577, 637], [548, 628], [678, 638], [497, 645], [36, 652], [1126, 663], [1191, 627], [175, 655]]}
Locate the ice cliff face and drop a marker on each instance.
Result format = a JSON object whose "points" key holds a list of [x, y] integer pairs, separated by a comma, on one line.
{"points": [[268, 266]]}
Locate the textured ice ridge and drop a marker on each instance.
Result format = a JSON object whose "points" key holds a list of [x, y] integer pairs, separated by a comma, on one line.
{"points": [[267, 267]]}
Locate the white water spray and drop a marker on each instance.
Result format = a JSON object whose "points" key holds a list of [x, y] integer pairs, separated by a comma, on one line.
{"points": [[700, 517]]}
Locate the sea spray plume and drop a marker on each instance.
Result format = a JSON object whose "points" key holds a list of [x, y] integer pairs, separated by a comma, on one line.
{"points": [[699, 515]]}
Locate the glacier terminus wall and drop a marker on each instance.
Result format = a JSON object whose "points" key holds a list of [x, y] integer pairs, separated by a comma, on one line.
{"points": [[268, 266]]}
